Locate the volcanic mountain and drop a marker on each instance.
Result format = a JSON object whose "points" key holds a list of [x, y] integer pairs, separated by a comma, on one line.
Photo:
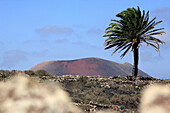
{"points": [[87, 67]]}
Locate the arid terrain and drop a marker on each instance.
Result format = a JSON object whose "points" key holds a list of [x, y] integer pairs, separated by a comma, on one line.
{"points": [[93, 93]]}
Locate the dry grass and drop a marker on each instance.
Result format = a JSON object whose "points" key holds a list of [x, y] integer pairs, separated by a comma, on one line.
{"points": [[156, 99], [22, 94], [107, 111]]}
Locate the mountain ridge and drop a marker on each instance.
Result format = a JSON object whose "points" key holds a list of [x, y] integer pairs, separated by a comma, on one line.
{"points": [[87, 67]]}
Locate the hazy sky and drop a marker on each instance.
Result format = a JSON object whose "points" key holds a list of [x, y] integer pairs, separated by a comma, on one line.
{"points": [[33, 31]]}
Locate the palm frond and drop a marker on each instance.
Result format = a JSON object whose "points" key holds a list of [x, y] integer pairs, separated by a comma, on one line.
{"points": [[131, 30], [154, 30], [125, 47], [157, 33], [156, 40], [125, 52], [113, 45], [156, 48]]}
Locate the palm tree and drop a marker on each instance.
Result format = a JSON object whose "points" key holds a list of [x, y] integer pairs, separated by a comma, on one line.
{"points": [[130, 31]]}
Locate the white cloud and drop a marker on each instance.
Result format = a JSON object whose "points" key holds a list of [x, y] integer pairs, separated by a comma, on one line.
{"points": [[54, 30], [28, 42], [12, 58], [95, 31], [14, 52], [40, 54], [64, 40], [163, 14], [1, 43], [161, 11]]}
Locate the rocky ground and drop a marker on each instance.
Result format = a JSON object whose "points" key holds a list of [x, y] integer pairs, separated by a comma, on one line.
{"points": [[115, 93], [119, 94]]}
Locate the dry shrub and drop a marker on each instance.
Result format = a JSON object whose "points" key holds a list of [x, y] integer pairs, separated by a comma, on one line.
{"points": [[22, 94], [156, 99], [107, 111]]}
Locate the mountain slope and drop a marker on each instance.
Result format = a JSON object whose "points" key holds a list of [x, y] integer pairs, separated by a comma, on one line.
{"points": [[87, 67]]}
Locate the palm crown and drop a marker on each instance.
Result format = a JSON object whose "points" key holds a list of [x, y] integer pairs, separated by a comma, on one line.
{"points": [[131, 30]]}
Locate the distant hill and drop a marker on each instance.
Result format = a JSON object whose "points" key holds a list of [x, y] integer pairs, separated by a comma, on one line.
{"points": [[87, 67]]}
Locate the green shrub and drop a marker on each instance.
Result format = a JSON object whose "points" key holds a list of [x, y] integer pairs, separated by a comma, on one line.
{"points": [[4, 74], [103, 100], [41, 73], [122, 107], [90, 84], [30, 72], [83, 79], [77, 100]]}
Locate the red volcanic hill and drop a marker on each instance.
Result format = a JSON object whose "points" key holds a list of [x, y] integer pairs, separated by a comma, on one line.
{"points": [[87, 67]]}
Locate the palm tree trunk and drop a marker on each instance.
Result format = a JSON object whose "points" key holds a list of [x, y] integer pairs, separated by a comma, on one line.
{"points": [[136, 61]]}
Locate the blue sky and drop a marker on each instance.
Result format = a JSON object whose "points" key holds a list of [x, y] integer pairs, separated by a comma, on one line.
{"points": [[33, 31]]}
